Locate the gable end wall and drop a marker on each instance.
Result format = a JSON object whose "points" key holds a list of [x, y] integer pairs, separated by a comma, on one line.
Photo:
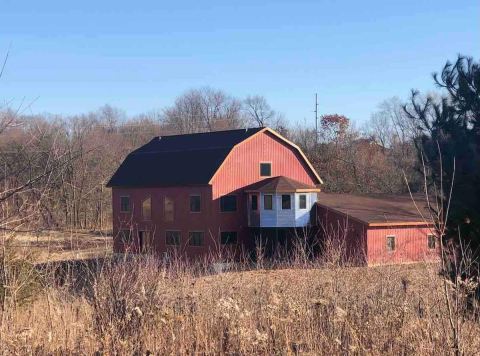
{"points": [[241, 167]]}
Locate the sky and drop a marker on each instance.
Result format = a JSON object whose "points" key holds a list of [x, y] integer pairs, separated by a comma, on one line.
{"points": [[69, 57]]}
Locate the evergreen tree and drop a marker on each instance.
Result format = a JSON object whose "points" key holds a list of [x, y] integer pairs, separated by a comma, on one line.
{"points": [[449, 141]]}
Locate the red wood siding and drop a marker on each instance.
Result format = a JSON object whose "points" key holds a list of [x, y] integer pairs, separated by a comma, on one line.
{"points": [[209, 220], [241, 168], [352, 233], [410, 245], [369, 243]]}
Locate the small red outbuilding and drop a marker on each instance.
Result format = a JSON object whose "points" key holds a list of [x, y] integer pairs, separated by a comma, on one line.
{"points": [[379, 229]]}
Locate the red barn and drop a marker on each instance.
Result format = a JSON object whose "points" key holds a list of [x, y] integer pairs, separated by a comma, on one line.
{"points": [[195, 193], [379, 229]]}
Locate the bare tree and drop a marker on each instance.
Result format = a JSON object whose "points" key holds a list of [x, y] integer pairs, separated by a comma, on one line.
{"points": [[259, 113], [200, 110]]}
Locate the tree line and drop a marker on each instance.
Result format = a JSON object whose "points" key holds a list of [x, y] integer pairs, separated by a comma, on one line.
{"points": [[60, 165]]}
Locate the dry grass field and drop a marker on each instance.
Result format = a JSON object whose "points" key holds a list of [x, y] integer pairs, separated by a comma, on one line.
{"points": [[63, 245], [140, 305]]}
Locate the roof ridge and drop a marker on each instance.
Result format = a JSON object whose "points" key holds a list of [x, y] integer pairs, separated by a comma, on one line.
{"points": [[213, 132], [182, 150]]}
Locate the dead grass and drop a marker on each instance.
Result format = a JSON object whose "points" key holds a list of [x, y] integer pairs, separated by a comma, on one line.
{"points": [[52, 246], [139, 305]]}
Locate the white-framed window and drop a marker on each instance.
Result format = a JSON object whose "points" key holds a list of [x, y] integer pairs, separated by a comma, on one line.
{"points": [[286, 201], [265, 169], [391, 243], [302, 201]]}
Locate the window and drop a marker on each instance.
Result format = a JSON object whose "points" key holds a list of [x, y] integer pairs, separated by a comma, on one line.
{"points": [[265, 169], [254, 202], [195, 238], [228, 203], [268, 202], [124, 204], [390, 243], [172, 238], [168, 209], [431, 242], [125, 236], [302, 202], [195, 203], [147, 209], [228, 237], [286, 202]]}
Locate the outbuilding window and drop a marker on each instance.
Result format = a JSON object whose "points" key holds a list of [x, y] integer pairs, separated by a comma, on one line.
{"points": [[302, 201], [391, 243], [228, 203], [265, 169], [195, 203], [195, 238], [125, 204], [286, 202], [268, 202], [431, 241], [228, 237]]}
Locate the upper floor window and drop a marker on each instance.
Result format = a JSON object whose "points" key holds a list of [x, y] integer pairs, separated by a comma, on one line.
{"points": [[286, 201], [268, 202], [391, 243], [168, 209], [228, 203], [302, 201], [195, 203], [265, 169], [147, 209], [195, 238], [228, 237], [431, 242], [125, 204]]}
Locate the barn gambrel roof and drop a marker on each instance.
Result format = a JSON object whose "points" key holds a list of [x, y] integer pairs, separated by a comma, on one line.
{"points": [[191, 159]]}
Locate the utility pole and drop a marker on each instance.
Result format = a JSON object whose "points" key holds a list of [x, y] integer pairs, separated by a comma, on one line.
{"points": [[316, 118]]}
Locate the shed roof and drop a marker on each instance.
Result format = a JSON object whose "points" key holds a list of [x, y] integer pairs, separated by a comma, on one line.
{"points": [[190, 159], [378, 210], [280, 184]]}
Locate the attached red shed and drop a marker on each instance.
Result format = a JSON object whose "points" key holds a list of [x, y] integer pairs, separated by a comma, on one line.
{"points": [[379, 229]]}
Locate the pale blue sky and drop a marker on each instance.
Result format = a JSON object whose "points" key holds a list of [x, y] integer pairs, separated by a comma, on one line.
{"points": [[140, 55]]}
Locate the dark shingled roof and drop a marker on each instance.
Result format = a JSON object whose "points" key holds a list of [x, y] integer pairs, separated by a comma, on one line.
{"points": [[378, 209], [190, 159], [278, 185]]}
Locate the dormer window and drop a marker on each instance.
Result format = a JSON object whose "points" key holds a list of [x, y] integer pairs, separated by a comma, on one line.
{"points": [[265, 169]]}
